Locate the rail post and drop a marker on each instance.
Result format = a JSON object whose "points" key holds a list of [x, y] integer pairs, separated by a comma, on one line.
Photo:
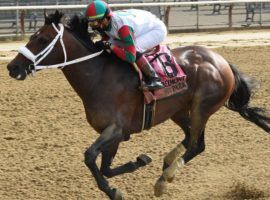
{"points": [[261, 6], [198, 17], [230, 16], [166, 16], [17, 19], [22, 17]]}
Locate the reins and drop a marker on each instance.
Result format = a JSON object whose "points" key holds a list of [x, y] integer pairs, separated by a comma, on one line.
{"points": [[36, 59]]}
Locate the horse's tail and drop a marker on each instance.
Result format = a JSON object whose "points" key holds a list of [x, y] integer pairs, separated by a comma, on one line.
{"points": [[239, 101]]}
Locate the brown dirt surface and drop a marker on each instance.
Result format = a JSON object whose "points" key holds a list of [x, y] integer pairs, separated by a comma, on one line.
{"points": [[44, 134]]}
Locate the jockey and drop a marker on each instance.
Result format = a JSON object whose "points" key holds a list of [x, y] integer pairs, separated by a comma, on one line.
{"points": [[128, 33]]}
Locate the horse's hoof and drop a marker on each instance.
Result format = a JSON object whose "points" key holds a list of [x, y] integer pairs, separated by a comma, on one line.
{"points": [[143, 159], [160, 187], [117, 194], [165, 166]]}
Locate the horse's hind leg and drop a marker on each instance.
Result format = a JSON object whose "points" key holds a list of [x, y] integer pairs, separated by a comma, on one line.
{"points": [[182, 119], [195, 146], [192, 145]]}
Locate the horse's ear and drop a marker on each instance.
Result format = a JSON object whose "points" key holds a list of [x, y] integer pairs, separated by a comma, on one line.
{"points": [[58, 16], [46, 16], [57, 13]]}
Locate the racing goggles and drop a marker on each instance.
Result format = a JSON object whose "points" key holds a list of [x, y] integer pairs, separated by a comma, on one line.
{"points": [[96, 22]]}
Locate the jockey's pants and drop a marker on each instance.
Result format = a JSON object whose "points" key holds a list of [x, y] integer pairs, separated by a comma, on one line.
{"points": [[149, 39]]}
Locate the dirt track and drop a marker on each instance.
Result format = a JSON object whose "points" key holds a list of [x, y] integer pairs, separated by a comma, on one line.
{"points": [[44, 134]]}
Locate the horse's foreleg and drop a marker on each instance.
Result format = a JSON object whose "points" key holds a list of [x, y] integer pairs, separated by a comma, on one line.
{"points": [[107, 158], [111, 136]]}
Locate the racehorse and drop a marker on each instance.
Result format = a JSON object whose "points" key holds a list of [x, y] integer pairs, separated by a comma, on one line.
{"points": [[113, 103]]}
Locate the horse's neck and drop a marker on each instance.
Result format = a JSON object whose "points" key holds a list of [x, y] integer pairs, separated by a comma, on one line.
{"points": [[81, 74], [101, 74], [84, 77], [91, 76]]}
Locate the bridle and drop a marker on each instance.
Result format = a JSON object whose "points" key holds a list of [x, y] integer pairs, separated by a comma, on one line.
{"points": [[36, 59]]}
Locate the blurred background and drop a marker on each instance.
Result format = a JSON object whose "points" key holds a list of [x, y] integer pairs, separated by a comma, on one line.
{"points": [[180, 18]]}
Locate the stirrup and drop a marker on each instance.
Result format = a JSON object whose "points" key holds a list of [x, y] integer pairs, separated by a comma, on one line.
{"points": [[152, 86]]}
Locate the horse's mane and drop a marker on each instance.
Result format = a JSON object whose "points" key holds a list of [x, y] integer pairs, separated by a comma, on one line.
{"points": [[77, 25]]}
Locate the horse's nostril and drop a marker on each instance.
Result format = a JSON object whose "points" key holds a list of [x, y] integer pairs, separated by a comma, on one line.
{"points": [[16, 71], [13, 68], [9, 67]]}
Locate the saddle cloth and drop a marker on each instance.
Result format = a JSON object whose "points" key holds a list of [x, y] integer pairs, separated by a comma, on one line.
{"points": [[172, 76]]}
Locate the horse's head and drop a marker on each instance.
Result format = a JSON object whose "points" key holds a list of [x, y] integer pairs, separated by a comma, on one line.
{"points": [[49, 46], [36, 50]]}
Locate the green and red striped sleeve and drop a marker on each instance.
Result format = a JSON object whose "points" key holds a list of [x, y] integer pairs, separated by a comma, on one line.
{"points": [[128, 53]]}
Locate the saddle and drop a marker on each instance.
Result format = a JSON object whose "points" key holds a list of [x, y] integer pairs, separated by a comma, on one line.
{"points": [[172, 77]]}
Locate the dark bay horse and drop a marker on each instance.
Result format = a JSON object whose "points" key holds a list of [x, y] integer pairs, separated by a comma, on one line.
{"points": [[113, 103]]}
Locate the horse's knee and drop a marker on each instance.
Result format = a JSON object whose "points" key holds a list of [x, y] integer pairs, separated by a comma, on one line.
{"points": [[90, 156]]}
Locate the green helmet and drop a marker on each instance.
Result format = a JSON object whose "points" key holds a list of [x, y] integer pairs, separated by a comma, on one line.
{"points": [[97, 10]]}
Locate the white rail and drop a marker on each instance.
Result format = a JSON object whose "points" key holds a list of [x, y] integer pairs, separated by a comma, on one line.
{"points": [[161, 6], [154, 4]]}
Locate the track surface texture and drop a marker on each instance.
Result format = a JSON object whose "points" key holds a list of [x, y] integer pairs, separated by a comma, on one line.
{"points": [[44, 134]]}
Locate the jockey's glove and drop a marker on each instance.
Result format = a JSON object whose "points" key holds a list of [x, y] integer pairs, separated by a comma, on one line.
{"points": [[107, 45], [103, 45]]}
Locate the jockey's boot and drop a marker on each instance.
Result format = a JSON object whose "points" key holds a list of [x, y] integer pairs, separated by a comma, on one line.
{"points": [[152, 81]]}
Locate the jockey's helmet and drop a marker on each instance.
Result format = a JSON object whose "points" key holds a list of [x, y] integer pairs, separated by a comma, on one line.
{"points": [[97, 10]]}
